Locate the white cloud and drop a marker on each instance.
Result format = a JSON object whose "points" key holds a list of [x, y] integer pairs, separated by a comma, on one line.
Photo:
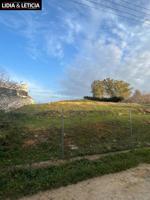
{"points": [[136, 70], [108, 45], [54, 47], [93, 63], [44, 37], [118, 50]]}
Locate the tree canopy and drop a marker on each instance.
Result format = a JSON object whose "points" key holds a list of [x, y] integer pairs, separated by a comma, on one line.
{"points": [[110, 88]]}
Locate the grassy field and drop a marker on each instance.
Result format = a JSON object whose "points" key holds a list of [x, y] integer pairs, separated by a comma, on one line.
{"points": [[34, 133]]}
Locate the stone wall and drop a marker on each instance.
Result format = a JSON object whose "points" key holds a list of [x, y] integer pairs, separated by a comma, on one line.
{"points": [[14, 97]]}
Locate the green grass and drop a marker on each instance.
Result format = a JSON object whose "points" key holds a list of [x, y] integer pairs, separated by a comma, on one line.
{"points": [[33, 133], [16, 184]]}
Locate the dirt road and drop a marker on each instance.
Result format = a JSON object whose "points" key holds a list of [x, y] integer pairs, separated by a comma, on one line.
{"points": [[133, 184]]}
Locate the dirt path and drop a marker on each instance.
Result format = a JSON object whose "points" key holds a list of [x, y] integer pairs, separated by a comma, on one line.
{"points": [[133, 184], [45, 164]]}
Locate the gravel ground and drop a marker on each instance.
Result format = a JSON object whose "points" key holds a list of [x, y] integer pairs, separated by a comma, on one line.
{"points": [[133, 184]]}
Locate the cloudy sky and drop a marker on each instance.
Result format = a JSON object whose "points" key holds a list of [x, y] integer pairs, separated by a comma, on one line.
{"points": [[60, 50]]}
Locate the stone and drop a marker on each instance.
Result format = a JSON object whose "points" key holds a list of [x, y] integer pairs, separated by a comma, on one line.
{"points": [[14, 96]]}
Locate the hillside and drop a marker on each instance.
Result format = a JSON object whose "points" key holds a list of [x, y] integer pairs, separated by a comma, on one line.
{"points": [[34, 133], [37, 143]]}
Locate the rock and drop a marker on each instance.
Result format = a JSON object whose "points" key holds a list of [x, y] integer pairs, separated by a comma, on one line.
{"points": [[14, 97], [73, 147]]}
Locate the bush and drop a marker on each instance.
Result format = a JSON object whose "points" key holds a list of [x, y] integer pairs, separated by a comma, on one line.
{"points": [[105, 99]]}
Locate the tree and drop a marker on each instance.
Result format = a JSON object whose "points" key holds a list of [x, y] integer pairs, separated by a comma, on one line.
{"points": [[111, 88], [5, 80], [139, 97], [122, 89], [97, 89]]}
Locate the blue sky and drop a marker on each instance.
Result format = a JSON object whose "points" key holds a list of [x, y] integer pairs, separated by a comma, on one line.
{"points": [[60, 50]]}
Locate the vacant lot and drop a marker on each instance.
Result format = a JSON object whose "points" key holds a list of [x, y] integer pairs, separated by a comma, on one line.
{"points": [[34, 133]]}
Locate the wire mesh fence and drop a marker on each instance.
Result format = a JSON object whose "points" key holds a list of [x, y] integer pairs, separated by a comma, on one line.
{"points": [[27, 138]]}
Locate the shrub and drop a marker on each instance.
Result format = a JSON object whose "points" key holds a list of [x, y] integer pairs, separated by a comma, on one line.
{"points": [[105, 99]]}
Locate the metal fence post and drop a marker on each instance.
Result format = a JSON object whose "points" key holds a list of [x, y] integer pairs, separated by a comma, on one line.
{"points": [[131, 128], [130, 117], [62, 135]]}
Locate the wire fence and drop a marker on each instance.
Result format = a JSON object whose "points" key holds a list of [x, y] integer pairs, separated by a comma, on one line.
{"points": [[63, 134]]}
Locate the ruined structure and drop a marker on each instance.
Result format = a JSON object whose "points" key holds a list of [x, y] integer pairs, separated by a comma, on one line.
{"points": [[13, 96]]}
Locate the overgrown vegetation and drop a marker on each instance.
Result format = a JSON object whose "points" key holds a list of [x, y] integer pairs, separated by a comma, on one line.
{"points": [[18, 183], [33, 133], [111, 88], [106, 99]]}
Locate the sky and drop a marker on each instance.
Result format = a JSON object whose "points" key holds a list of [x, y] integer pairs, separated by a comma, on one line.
{"points": [[60, 50]]}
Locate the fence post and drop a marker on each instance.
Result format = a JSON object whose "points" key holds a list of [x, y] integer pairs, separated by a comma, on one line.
{"points": [[62, 135], [130, 117]]}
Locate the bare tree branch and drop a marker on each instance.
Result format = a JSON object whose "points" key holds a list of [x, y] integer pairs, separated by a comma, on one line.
{"points": [[5, 80]]}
